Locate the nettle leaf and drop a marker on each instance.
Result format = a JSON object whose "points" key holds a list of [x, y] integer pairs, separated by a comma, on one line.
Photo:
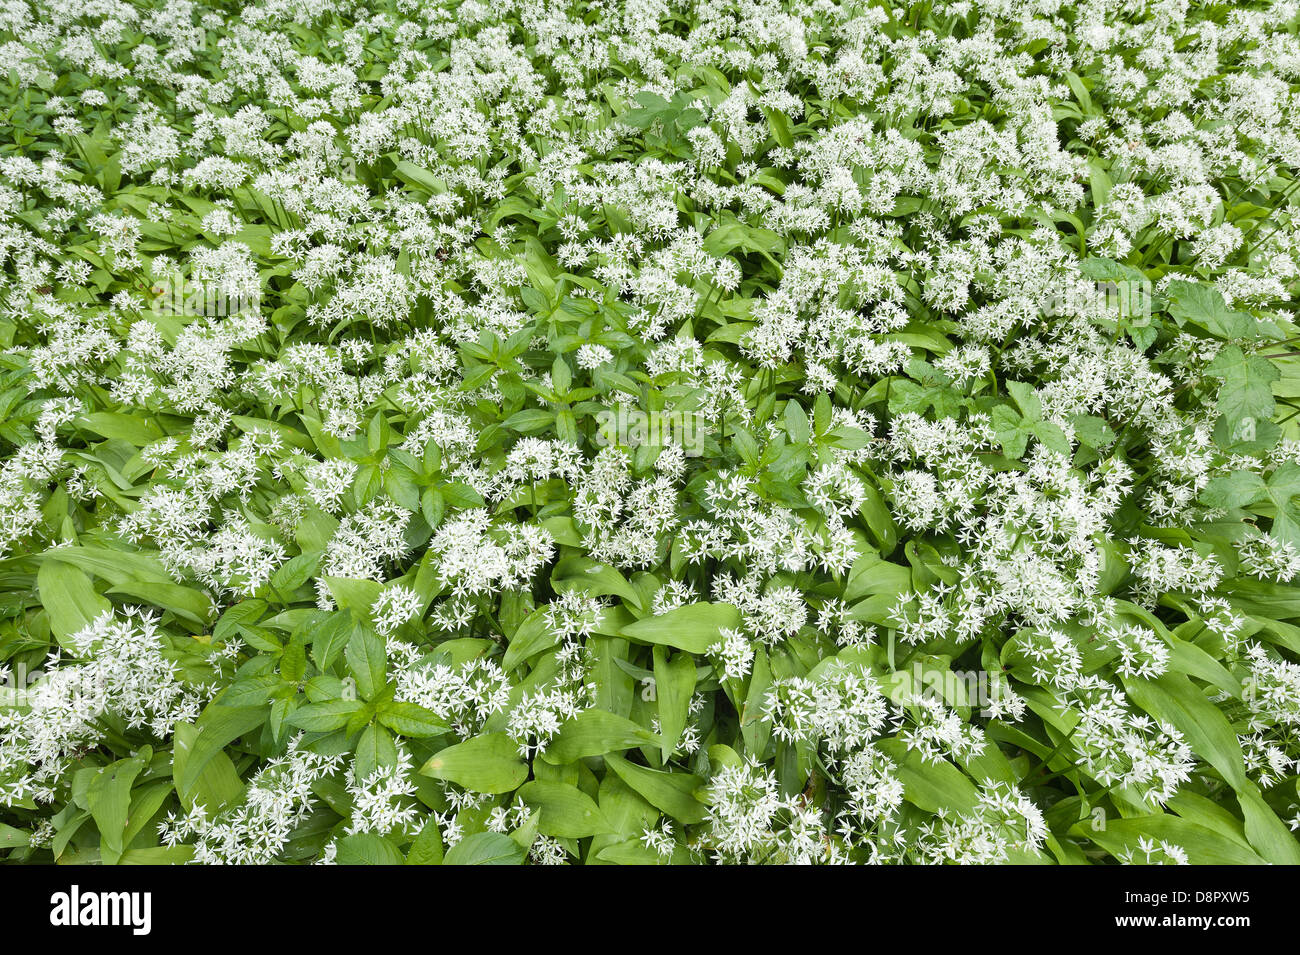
{"points": [[1281, 490], [1233, 490], [1246, 398], [330, 637], [376, 750], [796, 423], [427, 849], [408, 719], [1202, 305], [324, 717], [367, 660]]}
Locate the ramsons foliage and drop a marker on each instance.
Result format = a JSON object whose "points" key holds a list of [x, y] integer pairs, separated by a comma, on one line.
{"points": [[752, 431]]}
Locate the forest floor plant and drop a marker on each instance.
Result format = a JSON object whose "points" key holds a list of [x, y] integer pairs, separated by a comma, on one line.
{"points": [[691, 431]]}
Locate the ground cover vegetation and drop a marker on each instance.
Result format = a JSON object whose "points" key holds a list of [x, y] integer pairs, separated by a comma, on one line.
{"points": [[750, 431]]}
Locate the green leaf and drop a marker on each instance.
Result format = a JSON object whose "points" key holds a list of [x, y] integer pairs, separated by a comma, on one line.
{"points": [[129, 428], [1173, 699], [367, 661], [217, 786], [1052, 437], [109, 798], [329, 639], [673, 793], [932, 785], [595, 732], [693, 628], [1246, 397], [489, 763], [674, 685], [408, 719], [1203, 306], [1012, 431], [782, 130], [1203, 846], [1236, 489], [218, 727], [1093, 431], [427, 849], [375, 750], [533, 636], [324, 717], [485, 848], [12, 838], [1026, 399], [295, 572], [69, 598], [566, 811], [367, 848], [592, 577], [358, 596], [137, 575], [1269, 836], [796, 422], [1281, 491], [422, 179]]}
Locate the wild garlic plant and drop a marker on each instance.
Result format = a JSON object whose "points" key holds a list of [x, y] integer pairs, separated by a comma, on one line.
{"points": [[686, 431]]}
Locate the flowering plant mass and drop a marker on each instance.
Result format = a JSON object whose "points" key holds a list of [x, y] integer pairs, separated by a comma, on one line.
{"points": [[657, 431]]}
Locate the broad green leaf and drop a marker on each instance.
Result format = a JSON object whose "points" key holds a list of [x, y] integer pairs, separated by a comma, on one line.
{"points": [[367, 848], [565, 810], [693, 628], [674, 686], [408, 719], [367, 660], [69, 598], [218, 726], [1173, 699], [595, 732], [489, 763], [485, 848], [673, 793], [109, 798]]}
